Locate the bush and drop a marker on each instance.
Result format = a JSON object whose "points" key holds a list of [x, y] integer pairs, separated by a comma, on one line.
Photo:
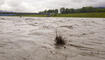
{"points": [[59, 40]]}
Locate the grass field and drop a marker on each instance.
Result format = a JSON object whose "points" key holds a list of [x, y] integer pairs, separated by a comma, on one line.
{"points": [[94, 15], [36, 15], [101, 15]]}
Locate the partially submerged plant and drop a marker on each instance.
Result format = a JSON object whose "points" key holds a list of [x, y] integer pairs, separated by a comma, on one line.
{"points": [[59, 40]]}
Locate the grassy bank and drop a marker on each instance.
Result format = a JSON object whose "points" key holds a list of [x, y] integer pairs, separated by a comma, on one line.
{"points": [[36, 15], [101, 15], [97, 15]]}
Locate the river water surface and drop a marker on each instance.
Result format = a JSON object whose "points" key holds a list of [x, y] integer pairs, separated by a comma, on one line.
{"points": [[32, 38]]}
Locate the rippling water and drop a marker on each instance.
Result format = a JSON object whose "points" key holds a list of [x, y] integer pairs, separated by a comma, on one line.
{"points": [[32, 38]]}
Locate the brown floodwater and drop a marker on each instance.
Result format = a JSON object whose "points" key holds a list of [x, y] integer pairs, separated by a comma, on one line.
{"points": [[32, 38]]}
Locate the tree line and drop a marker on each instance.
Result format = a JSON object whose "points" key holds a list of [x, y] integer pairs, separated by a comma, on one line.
{"points": [[50, 11], [16, 13], [60, 11], [72, 10]]}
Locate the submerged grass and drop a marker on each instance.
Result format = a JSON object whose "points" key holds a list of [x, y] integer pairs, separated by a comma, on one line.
{"points": [[59, 40]]}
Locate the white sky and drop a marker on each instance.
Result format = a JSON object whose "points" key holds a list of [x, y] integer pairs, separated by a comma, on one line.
{"points": [[40, 5]]}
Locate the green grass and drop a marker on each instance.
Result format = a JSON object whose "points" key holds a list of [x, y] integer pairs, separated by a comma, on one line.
{"points": [[36, 15], [97, 15], [93, 15]]}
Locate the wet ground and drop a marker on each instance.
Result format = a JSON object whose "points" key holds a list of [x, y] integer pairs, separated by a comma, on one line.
{"points": [[32, 38]]}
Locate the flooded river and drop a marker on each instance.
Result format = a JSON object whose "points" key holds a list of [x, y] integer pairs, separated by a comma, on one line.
{"points": [[32, 38]]}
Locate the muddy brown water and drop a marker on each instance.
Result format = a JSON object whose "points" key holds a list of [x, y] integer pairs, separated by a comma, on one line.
{"points": [[32, 38]]}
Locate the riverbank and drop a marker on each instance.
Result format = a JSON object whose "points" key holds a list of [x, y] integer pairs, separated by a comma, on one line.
{"points": [[93, 15]]}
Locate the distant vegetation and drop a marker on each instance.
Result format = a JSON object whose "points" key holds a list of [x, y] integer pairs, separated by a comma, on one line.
{"points": [[80, 12], [64, 12], [71, 10], [92, 14], [15, 14], [53, 11]]}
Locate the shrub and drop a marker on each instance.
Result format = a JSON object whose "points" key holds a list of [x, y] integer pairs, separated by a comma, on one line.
{"points": [[59, 40]]}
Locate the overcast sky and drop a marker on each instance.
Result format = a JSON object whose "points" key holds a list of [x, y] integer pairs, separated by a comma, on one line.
{"points": [[39, 5]]}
